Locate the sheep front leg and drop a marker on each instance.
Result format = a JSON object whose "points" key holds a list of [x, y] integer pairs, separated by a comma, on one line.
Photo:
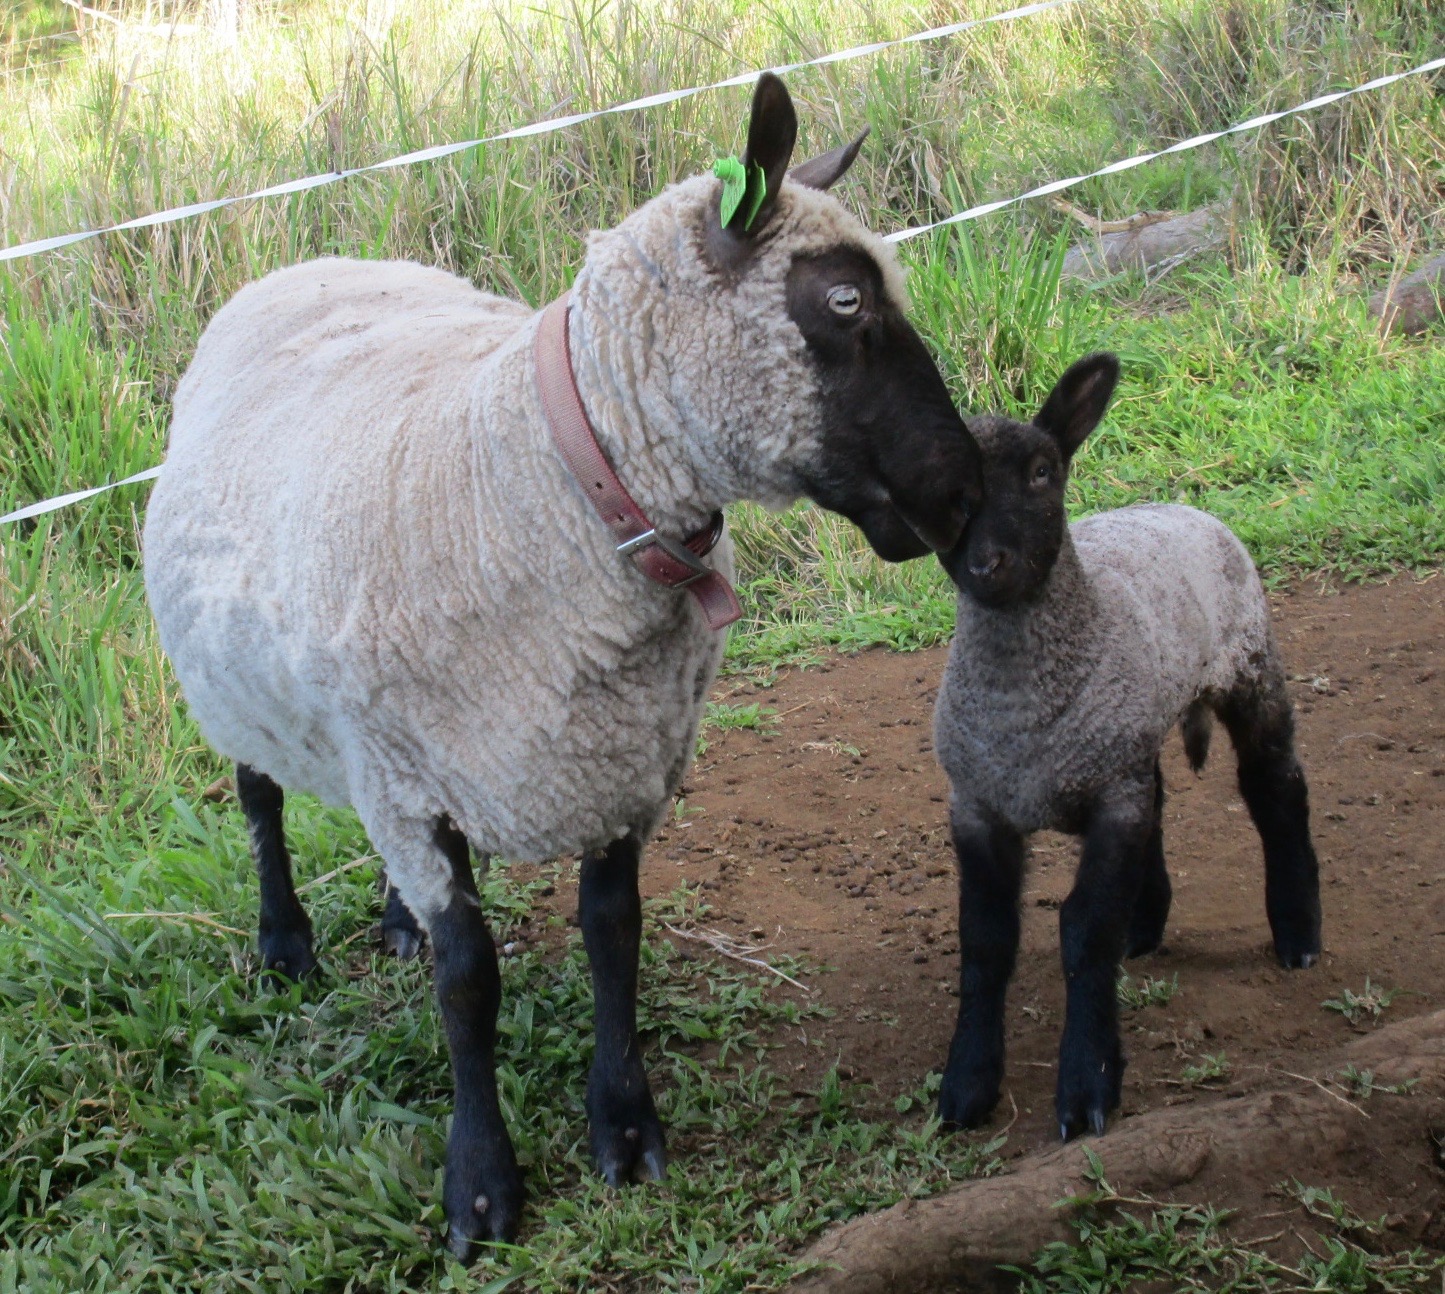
{"points": [[626, 1134], [1093, 927], [483, 1187], [990, 871]]}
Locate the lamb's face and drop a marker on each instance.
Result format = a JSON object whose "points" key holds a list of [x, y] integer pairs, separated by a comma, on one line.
{"points": [[1013, 539]]}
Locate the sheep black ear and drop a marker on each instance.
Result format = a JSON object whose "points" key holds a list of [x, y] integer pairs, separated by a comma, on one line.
{"points": [[825, 170], [772, 132], [1076, 404]]}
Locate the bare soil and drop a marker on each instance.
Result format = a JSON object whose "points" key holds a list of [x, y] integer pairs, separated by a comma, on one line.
{"points": [[826, 837]]}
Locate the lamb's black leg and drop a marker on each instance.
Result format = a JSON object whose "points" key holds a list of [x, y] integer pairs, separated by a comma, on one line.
{"points": [[1093, 927], [990, 871], [483, 1188], [627, 1137], [284, 934], [1151, 910], [1261, 725], [400, 934]]}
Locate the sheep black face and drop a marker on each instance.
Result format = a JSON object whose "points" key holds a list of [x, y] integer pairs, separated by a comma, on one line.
{"points": [[1013, 539], [898, 461], [893, 455]]}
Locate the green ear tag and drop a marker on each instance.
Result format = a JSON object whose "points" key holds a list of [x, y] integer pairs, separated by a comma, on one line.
{"points": [[757, 191], [735, 185]]}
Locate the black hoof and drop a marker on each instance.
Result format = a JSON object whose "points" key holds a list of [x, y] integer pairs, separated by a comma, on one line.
{"points": [[400, 943], [967, 1101], [1297, 951], [487, 1207], [286, 955], [1088, 1090], [628, 1143], [401, 936], [1142, 943]]}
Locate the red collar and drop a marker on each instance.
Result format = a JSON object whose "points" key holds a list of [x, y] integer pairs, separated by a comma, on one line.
{"points": [[661, 559]]}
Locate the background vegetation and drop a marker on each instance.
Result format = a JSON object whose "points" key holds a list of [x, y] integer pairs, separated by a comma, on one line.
{"points": [[163, 1123]]}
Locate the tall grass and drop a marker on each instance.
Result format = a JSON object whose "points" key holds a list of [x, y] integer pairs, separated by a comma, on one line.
{"points": [[163, 1125]]}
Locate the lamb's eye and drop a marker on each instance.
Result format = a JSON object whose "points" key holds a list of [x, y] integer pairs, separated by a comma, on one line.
{"points": [[844, 299], [1041, 473]]}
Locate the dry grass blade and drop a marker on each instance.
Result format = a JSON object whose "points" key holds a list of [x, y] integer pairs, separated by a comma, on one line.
{"points": [[199, 918], [726, 945]]}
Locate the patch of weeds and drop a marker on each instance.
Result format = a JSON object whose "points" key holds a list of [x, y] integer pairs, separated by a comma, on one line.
{"points": [[1321, 1202], [724, 716], [1360, 1083], [922, 1097], [1206, 1069], [1369, 1003], [1126, 1243], [1150, 990]]}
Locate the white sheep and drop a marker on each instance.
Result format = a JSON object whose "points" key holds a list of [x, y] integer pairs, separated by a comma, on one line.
{"points": [[1077, 649], [379, 581]]}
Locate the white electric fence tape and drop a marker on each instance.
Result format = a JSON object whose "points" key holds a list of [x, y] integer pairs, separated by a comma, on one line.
{"points": [[1129, 163], [548, 127], [901, 235]]}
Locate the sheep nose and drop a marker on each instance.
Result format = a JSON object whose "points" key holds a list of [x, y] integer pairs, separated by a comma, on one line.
{"points": [[989, 565]]}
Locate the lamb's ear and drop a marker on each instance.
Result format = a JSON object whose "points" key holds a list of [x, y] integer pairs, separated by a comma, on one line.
{"points": [[825, 170], [772, 132], [1076, 404]]}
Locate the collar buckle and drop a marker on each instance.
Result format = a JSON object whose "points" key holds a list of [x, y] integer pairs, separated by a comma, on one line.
{"points": [[679, 553]]}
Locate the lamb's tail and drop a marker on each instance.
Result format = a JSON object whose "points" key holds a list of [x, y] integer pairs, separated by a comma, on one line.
{"points": [[1196, 728]]}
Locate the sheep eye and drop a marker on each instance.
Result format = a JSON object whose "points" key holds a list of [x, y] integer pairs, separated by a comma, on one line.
{"points": [[1041, 473], [844, 299]]}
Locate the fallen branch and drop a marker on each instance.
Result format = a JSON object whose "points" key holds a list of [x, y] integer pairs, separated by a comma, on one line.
{"points": [[1206, 1153], [1154, 242]]}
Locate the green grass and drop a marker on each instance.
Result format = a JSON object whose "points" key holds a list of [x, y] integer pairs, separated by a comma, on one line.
{"points": [[1126, 1243], [165, 1124]]}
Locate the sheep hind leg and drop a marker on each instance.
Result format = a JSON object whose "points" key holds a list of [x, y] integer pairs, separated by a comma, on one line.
{"points": [[1260, 721], [1151, 909], [284, 930], [626, 1134], [401, 936], [482, 1191]]}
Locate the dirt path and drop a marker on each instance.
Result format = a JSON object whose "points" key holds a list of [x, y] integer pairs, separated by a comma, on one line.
{"points": [[828, 837]]}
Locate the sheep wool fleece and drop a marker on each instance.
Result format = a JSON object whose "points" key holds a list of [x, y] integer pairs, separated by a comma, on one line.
{"points": [[1147, 610], [378, 582]]}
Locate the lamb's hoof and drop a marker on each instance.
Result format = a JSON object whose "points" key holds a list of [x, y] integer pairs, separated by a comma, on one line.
{"points": [[1297, 951], [401, 943], [1088, 1090], [968, 1101], [286, 956], [1143, 943], [492, 1213], [628, 1143]]}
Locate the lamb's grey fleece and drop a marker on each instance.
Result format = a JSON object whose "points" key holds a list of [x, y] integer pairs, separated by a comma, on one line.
{"points": [[1147, 610], [378, 582]]}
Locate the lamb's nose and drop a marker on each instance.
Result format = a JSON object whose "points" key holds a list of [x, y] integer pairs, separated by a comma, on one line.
{"points": [[991, 564]]}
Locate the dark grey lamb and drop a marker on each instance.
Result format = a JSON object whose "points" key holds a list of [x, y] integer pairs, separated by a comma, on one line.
{"points": [[1078, 648]]}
